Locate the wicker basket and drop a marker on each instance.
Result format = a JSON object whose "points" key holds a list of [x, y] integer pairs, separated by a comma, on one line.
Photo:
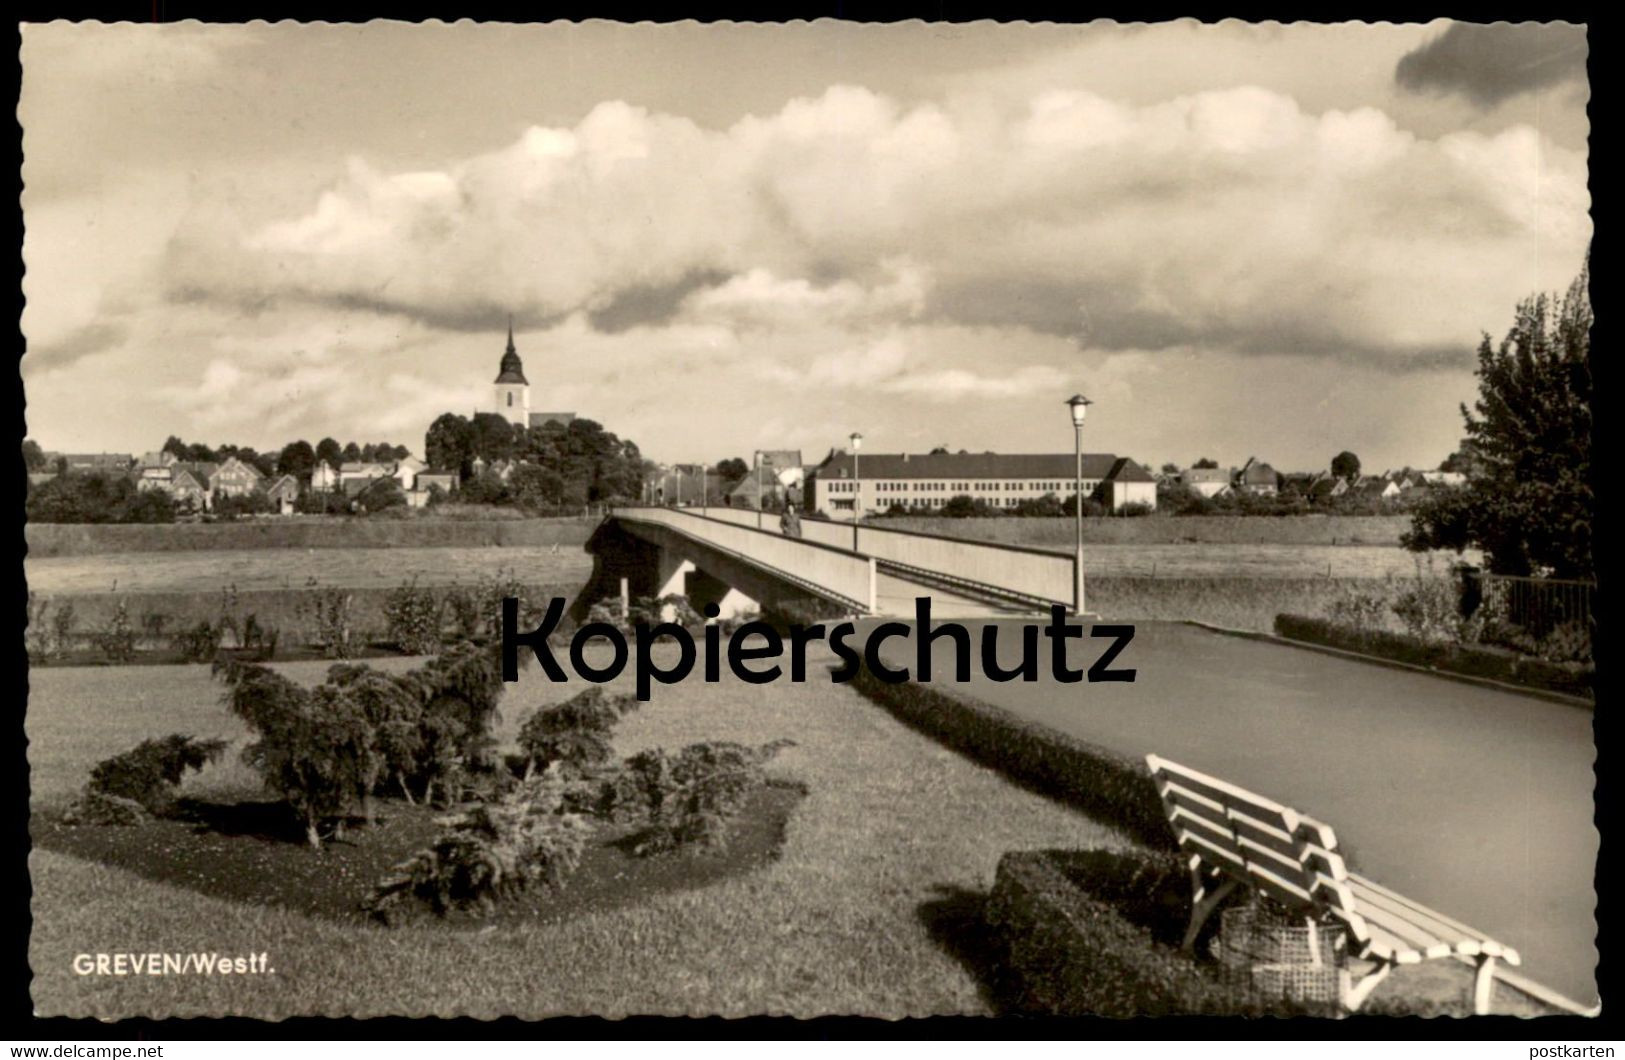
{"points": [[1273, 956]]}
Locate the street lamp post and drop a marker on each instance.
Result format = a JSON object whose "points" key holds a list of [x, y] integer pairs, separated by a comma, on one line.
{"points": [[705, 489], [1079, 405], [761, 496], [857, 488]]}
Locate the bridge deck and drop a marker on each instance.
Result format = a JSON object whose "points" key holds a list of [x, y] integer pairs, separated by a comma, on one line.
{"points": [[882, 570]]}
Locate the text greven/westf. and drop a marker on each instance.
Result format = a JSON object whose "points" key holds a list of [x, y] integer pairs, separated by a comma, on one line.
{"points": [[772, 644]]}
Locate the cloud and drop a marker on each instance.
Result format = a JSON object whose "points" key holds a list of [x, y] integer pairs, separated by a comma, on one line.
{"points": [[1230, 218], [81, 342], [1490, 63]]}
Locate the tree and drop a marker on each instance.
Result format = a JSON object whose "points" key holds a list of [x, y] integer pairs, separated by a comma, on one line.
{"points": [[1170, 468], [536, 487], [177, 448], [1465, 460], [33, 455], [449, 444], [1206, 463], [494, 437], [329, 452], [97, 498], [383, 493], [1346, 466], [941, 450], [733, 469], [1528, 501], [297, 459], [352, 452]]}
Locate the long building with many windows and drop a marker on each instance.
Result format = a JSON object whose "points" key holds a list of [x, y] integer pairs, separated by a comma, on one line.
{"points": [[878, 481]]}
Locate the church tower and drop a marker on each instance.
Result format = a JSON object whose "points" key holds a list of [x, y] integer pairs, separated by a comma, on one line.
{"points": [[512, 389]]}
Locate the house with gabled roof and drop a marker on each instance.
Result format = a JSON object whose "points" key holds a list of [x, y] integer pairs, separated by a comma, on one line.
{"points": [[236, 478], [189, 484], [1206, 481], [1257, 477], [283, 494]]}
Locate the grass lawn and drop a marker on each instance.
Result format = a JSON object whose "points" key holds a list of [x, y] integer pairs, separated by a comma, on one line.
{"points": [[884, 863]]}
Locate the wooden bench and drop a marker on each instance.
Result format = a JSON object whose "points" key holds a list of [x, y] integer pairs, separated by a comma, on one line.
{"points": [[1235, 838]]}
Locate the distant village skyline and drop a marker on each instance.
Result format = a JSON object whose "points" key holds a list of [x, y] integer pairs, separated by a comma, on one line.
{"points": [[1270, 241]]}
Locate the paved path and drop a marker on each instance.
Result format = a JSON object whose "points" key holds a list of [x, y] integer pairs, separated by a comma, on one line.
{"points": [[1473, 800]]}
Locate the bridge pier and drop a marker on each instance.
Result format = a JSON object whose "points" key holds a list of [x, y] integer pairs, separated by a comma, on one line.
{"points": [[731, 601]]}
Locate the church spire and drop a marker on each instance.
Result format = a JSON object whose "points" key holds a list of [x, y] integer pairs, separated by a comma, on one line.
{"points": [[512, 369]]}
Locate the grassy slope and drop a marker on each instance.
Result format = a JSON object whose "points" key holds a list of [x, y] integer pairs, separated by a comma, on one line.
{"points": [[412, 530], [893, 825]]}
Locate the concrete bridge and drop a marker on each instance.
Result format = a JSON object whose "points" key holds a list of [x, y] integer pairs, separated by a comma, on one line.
{"points": [[740, 561]]}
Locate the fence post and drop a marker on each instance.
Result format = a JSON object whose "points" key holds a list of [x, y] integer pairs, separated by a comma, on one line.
{"points": [[626, 600], [873, 584]]}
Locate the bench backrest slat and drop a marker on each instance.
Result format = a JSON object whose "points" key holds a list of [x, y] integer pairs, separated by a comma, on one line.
{"points": [[1291, 857]]}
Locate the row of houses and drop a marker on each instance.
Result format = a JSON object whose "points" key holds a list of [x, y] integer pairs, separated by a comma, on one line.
{"points": [[1258, 478], [196, 485]]}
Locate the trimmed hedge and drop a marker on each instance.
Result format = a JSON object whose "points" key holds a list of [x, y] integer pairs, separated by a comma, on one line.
{"points": [[1099, 782], [1473, 660], [1095, 932]]}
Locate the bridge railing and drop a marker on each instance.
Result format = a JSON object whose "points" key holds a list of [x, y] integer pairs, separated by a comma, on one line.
{"points": [[1030, 573], [820, 568]]}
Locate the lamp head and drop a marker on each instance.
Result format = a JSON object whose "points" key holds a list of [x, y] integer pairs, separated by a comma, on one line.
{"points": [[857, 441], [1079, 405]]}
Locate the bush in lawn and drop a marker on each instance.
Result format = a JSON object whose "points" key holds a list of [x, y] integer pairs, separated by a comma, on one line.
{"points": [[150, 773], [464, 606], [328, 618], [315, 747], [40, 636], [493, 851], [690, 798], [461, 689], [153, 623], [117, 639], [415, 616], [200, 644], [576, 733], [95, 808], [393, 708]]}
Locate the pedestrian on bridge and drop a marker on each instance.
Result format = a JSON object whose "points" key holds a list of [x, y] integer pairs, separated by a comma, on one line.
{"points": [[790, 522]]}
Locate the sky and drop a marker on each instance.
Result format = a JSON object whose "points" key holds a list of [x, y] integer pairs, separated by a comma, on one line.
{"points": [[1237, 239]]}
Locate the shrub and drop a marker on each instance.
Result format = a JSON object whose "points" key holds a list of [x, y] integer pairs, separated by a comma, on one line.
{"points": [[117, 639], [1495, 664], [1359, 607], [1096, 933], [315, 747], [466, 615], [95, 808], [199, 644], [415, 616], [153, 623], [576, 733], [692, 797], [62, 624], [39, 636], [493, 851], [150, 773], [330, 622]]}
